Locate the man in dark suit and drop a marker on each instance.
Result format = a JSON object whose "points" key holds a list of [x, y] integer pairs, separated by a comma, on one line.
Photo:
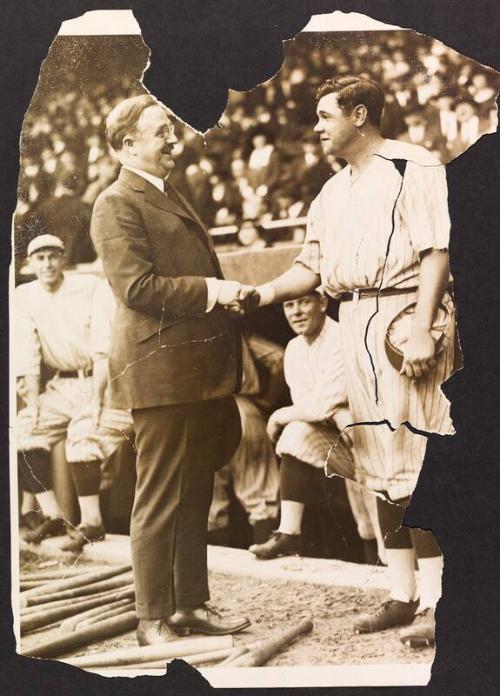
{"points": [[175, 362]]}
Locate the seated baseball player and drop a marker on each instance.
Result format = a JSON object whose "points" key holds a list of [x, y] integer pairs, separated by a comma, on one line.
{"points": [[310, 432], [62, 323]]}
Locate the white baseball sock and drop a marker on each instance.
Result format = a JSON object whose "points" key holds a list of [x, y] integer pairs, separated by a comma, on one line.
{"points": [[401, 567], [48, 504], [28, 503], [291, 517], [90, 510], [431, 570]]}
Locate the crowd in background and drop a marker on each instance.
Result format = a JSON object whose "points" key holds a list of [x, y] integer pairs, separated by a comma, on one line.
{"points": [[262, 162]]}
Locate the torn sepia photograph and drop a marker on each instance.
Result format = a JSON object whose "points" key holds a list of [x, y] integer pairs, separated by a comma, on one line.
{"points": [[274, 294]]}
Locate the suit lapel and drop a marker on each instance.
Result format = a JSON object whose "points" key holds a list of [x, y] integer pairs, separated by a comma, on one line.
{"points": [[160, 200], [173, 203], [206, 238], [151, 193]]}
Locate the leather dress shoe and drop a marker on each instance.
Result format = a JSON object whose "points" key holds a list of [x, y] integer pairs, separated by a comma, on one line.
{"points": [[48, 527], [278, 544], [30, 520], [154, 632], [391, 614], [205, 619], [421, 634], [262, 529], [83, 534]]}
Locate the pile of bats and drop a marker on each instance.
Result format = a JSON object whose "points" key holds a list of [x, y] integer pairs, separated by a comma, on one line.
{"points": [[86, 607]]}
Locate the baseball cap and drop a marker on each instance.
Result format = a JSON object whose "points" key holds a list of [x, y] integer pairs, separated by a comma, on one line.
{"points": [[45, 241]]}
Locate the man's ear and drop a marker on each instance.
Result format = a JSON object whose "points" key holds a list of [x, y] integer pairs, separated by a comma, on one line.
{"points": [[359, 115], [128, 144]]}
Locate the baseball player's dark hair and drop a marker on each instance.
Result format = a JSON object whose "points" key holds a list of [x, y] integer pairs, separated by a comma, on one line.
{"points": [[352, 91], [124, 117]]}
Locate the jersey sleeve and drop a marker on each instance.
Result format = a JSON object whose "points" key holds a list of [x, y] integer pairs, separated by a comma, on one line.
{"points": [[425, 206], [329, 395], [320, 401], [311, 250], [101, 318], [27, 350]]}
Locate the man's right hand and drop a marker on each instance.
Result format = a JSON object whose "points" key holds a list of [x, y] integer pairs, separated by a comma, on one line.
{"points": [[237, 298], [228, 292], [249, 299]]}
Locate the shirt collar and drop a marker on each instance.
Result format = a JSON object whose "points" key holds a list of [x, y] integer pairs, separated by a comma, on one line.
{"points": [[155, 180]]}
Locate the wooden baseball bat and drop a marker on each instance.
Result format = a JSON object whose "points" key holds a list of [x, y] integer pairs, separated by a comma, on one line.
{"points": [[30, 584], [260, 653], [107, 614], [212, 656], [82, 591], [77, 581], [109, 594], [236, 652], [71, 641], [197, 659], [149, 653], [71, 623], [43, 618], [52, 575]]}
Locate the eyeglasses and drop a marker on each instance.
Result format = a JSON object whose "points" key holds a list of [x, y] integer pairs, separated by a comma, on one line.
{"points": [[167, 130]]}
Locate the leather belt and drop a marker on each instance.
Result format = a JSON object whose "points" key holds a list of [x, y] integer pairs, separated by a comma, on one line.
{"points": [[74, 374], [375, 292]]}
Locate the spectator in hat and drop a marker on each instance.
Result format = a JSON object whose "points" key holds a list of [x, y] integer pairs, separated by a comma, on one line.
{"points": [[264, 162], [470, 126], [420, 132]]}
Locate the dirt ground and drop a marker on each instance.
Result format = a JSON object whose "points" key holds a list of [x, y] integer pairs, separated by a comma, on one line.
{"points": [[274, 605]]}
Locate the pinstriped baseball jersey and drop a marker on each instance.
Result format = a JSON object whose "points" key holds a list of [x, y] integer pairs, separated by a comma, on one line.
{"points": [[369, 233], [350, 222], [64, 329]]}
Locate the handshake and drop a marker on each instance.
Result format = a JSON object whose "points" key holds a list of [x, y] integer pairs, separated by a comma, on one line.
{"points": [[237, 298]]}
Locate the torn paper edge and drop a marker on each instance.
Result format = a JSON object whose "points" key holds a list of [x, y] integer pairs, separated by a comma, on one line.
{"points": [[124, 23]]}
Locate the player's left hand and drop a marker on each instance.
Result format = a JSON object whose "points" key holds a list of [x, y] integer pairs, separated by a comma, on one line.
{"points": [[419, 353], [274, 427]]}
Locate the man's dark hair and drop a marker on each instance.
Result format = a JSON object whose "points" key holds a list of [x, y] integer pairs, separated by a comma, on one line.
{"points": [[124, 118], [352, 91]]}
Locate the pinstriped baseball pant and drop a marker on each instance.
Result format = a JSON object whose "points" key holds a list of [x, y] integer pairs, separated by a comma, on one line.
{"points": [[65, 412], [390, 459]]}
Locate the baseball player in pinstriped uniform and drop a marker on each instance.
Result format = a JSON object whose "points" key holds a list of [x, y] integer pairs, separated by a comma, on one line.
{"points": [[307, 433], [64, 322], [377, 239]]}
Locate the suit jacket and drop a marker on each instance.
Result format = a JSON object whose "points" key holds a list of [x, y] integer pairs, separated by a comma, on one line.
{"points": [[165, 349]]}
